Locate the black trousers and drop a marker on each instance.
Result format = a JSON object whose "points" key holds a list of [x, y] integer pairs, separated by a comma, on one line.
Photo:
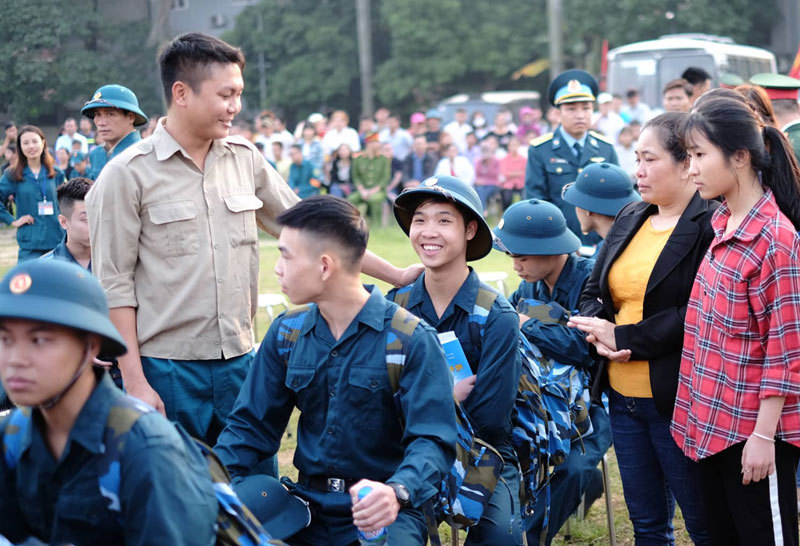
{"points": [[761, 513]]}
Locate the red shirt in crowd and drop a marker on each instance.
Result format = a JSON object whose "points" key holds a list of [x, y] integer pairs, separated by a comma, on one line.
{"points": [[487, 171], [512, 171], [742, 334]]}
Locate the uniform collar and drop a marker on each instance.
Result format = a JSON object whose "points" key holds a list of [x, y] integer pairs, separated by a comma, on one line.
{"points": [[569, 140], [166, 146], [372, 314], [464, 298], [764, 209], [124, 142], [564, 280]]}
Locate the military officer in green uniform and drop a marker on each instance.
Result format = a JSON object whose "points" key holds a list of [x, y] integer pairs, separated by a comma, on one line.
{"points": [[371, 173], [555, 159], [115, 112], [784, 92]]}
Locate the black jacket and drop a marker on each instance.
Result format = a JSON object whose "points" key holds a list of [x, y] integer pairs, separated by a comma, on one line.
{"points": [[658, 338]]}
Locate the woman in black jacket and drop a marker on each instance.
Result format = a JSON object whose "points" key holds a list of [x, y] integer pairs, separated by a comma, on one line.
{"points": [[632, 311]]}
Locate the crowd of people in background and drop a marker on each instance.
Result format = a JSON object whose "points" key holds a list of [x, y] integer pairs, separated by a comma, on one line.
{"points": [[692, 375]]}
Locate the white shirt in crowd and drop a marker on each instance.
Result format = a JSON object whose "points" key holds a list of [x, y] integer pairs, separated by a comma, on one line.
{"points": [[627, 159], [459, 133], [333, 139], [65, 141], [460, 168], [401, 141]]}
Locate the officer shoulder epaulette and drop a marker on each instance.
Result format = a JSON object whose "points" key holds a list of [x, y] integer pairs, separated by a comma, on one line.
{"points": [[143, 147], [542, 139], [601, 136]]}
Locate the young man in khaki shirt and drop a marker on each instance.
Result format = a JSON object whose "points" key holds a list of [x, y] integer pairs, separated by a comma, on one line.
{"points": [[174, 241]]}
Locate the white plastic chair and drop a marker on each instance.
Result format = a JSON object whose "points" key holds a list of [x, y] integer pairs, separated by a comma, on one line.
{"points": [[497, 278]]}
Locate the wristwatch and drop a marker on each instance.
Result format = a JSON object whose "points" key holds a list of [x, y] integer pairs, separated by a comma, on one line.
{"points": [[401, 492]]}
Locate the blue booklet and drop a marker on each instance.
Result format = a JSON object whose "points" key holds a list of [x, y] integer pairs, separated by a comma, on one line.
{"points": [[456, 359]]}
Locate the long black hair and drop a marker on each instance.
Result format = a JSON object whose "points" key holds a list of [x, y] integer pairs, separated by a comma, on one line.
{"points": [[731, 125]]}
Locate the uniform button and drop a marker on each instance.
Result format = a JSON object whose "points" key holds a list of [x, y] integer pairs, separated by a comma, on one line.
{"points": [[330, 431], [294, 382], [216, 245], [219, 281], [373, 384], [334, 353], [332, 393]]}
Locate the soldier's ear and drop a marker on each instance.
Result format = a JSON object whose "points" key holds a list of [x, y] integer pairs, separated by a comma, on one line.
{"points": [[472, 229], [180, 93]]}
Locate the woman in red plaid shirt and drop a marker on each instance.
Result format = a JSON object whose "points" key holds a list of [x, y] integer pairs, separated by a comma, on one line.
{"points": [[738, 404]]}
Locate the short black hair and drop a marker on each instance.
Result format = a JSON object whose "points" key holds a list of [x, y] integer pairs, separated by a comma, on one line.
{"points": [[188, 57], [695, 75], [9, 125], [296, 147], [69, 192], [632, 93], [332, 219]]}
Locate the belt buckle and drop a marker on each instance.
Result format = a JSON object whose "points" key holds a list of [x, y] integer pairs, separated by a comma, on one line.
{"points": [[335, 485]]}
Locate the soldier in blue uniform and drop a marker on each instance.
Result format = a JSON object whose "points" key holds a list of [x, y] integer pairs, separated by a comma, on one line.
{"points": [[534, 234], [74, 247], [331, 360], [557, 158], [598, 194], [443, 218], [57, 484], [115, 112]]}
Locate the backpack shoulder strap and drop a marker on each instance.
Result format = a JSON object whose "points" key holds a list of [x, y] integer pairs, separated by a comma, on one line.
{"points": [[289, 330], [484, 301], [401, 295], [397, 342], [122, 415], [16, 428]]}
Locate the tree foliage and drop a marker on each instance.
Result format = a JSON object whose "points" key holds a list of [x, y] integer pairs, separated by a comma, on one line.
{"points": [[53, 56]]}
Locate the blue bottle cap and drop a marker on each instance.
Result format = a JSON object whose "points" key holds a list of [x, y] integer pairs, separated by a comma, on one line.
{"points": [[364, 491]]}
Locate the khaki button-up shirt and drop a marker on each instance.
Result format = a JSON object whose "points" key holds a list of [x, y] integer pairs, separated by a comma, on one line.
{"points": [[180, 244]]}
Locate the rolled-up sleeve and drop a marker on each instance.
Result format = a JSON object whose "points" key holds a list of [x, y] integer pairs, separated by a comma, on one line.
{"points": [[426, 398], [113, 209]]}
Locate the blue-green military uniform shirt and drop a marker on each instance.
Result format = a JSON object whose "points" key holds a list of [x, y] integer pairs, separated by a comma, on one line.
{"points": [[557, 341], [45, 232], [495, 363], [300, 179], [553, 163], [165, 495], [98, 157], [61, 252], [349, 424]]}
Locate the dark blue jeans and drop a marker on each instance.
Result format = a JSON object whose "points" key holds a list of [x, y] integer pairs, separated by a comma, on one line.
{"points": [[654, 473]]}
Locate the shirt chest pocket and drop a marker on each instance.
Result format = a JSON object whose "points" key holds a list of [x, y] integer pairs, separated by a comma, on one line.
{"points": [[300, 381], [175, 229], [731, 309], [563, 172], [242, 218], [370, 396]]}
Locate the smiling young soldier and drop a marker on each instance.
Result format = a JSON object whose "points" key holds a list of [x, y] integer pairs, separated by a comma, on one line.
{"points": [[116, 113], [556, 159], [443, 218], [173, 229], [332, 361]]}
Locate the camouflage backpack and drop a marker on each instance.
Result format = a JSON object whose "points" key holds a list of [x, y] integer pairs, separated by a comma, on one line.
{"points": [[469, 485], [551, 405], [235, 524]]}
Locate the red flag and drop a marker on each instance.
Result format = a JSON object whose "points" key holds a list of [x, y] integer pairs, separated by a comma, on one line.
{"points": [[604, 65], [794, 72]]}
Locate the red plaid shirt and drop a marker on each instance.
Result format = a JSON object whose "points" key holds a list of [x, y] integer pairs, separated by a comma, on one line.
{"points": [[742, 334]]}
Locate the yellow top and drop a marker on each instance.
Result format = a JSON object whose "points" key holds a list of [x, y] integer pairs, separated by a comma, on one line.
{"points": [[627, 281]]}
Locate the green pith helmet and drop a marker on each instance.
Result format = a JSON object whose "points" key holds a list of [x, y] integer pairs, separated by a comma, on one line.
{"points": [[115, 96], [62, 293], [454, 190], [534, 228], [602, 188]]}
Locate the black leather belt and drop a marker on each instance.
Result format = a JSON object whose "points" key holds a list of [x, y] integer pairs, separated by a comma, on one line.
{"points": [[329, 485]]}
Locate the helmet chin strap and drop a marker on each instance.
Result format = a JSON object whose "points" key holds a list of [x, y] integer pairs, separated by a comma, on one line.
{"points": [[49, 403]]}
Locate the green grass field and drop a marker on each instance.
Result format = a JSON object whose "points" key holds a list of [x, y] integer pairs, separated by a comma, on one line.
{"points": [[393, 245]]}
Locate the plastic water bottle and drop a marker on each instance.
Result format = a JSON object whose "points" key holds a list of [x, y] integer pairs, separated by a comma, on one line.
{"points": [[372, 538]]}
